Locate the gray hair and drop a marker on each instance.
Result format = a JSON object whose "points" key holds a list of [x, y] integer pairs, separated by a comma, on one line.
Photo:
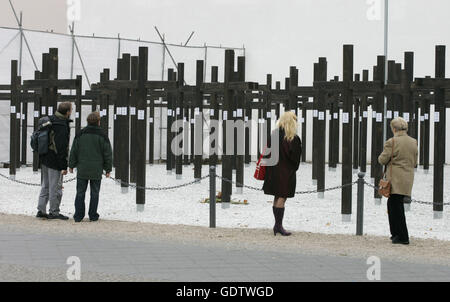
{"points": [[399, 124]]}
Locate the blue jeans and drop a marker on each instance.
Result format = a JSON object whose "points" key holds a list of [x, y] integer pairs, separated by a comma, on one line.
{"points": [[79, 199]]}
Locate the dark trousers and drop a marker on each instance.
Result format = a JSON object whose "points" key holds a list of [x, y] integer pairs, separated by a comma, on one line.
{"points": [[397, 220], [79, 199]]}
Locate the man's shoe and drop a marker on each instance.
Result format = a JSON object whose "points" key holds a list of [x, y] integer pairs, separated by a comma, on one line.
{"points": [[398, 241], [59, 216], [41, 215]]}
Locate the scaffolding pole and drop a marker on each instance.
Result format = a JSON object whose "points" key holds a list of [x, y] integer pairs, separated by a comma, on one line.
{"points": [[386, 40], [21, 45], [160, 108]]}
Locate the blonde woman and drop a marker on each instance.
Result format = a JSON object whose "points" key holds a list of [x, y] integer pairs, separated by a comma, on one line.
{"points": [[404, 160], [280, 180]]}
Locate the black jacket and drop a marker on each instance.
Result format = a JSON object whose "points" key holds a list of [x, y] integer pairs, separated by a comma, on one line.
{"points": [[58, 160], [280, 180]]}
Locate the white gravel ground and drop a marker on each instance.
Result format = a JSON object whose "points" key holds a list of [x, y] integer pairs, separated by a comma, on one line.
{"points": [[306, 213]]}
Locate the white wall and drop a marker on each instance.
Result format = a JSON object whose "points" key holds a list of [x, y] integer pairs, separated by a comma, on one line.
{"points": [[278, 34]]}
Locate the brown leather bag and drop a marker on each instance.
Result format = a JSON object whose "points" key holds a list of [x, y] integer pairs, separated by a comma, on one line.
{"points": [[384, 186]]}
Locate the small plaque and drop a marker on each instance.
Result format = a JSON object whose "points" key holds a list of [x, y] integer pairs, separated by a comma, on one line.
{"points": [[436, 117], [379, 117], [50, 110], [269, 114], [345, 117], [336, 115], [389, 114], [36, 113], [396, 114], [132, 110], [225, 115], [406, 116], [13, 109], [321, 116], [141, 115], [239, 113], [211, 112], [315, 113], [365, 115], [43, 110], [426, 116]]}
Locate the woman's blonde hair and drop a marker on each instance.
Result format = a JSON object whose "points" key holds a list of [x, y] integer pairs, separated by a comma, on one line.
{"points": [[399, 124], [288, 121]]}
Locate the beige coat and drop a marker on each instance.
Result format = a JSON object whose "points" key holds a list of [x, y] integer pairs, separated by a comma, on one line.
{"points": [[404, 162]]}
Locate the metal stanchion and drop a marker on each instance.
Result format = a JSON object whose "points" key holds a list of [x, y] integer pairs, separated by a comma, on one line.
{"points": [[212, 196], [360, 205]]}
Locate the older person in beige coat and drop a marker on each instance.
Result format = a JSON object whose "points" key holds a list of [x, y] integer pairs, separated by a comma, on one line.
{"points": [[402, 176]]}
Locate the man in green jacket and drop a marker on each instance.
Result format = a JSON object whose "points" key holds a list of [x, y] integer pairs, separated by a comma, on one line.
{"points": [[91, 154]]}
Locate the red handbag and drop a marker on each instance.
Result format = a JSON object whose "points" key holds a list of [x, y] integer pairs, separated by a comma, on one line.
{"points": [[260, 172]]}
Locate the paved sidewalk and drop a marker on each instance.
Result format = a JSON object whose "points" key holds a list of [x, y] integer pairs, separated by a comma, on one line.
{"points": [[174, 261]]}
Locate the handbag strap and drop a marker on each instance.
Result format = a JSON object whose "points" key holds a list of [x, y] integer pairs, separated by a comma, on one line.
{"points": [[261, 157], [392, 159]]}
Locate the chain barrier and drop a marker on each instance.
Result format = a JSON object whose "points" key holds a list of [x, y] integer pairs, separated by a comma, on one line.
{"points": [[159, 188], [240, 185], [227, 180], [412, 200], [298, 192], [30, 183]]}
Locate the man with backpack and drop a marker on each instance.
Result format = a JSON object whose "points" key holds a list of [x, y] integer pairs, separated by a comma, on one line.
{"points": [[91, 154], [53, 147]]}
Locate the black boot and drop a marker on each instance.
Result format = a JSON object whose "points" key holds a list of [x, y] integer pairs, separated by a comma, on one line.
{"points": [[397, 240], [41, 215], [278, 213]]}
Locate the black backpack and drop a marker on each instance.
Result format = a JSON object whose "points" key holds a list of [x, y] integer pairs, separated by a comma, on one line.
{"points": [[40, 139]]}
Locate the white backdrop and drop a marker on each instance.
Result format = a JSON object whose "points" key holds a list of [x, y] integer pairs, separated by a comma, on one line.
{"points": [[276, 35]]}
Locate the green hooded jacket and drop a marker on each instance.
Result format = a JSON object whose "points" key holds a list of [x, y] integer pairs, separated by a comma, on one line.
{"points": [[91, 153]]}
